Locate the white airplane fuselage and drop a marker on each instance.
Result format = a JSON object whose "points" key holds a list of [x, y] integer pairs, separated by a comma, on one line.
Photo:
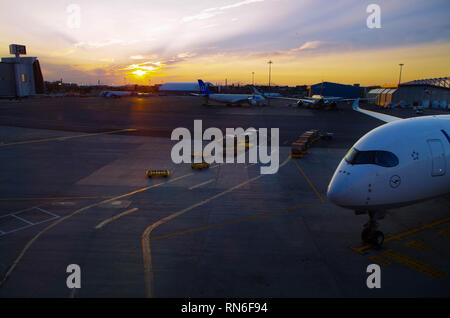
{"points": [[108, 94], [237, 98], [271, 95], [422, 148]]}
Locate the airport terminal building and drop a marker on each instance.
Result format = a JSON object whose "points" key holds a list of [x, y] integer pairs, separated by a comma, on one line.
{"points": [[20, 76]]}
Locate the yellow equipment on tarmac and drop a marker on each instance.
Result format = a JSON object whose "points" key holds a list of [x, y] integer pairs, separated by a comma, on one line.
{"points": [[158, 173], [200, 165]]}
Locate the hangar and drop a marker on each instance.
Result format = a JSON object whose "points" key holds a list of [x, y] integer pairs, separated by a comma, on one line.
{"points": [[20, 76], [335, 90], [429, 93]]}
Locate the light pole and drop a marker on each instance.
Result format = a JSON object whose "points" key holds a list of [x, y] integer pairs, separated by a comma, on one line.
{"points": [[400, 78], [270, 71], [253, 78]]}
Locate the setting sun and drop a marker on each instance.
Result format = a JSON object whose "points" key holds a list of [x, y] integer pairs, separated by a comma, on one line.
{"points": [[139, 72]]}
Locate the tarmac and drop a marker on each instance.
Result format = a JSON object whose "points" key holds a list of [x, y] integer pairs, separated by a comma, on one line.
{"points": [[74, 190]]}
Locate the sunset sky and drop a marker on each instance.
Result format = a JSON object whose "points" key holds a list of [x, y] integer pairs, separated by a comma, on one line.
{"points": [[154, 41]]}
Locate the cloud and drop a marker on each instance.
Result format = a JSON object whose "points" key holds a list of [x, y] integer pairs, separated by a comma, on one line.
{"points": [[212, 12], [245, 2], [308, 48], [78, 73], [157, 66], [147, 66], [186, 55], [100, 44], [311, 45], [201, 16]]}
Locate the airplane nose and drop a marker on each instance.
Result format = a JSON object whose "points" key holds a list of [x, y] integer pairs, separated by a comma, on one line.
{"points": [[344, 190], [335, 190]]}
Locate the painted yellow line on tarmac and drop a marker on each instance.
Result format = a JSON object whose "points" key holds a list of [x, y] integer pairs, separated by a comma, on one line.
{"points": [[145, 236], [445, 232], [115, 217], [146, 250], [361, 250], [309, 182], [421, 246], [201, 184], [414, 264], [65, 137], [379, 260], [35, 238]]}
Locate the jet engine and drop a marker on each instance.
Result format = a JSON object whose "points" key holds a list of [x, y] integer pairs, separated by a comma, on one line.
{"points": [[252, 101]]}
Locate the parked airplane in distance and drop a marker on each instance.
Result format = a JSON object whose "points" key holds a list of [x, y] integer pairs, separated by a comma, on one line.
{"points": [[116, 94], [397, 164], [266, 95], [229, 99], [319, 101]]}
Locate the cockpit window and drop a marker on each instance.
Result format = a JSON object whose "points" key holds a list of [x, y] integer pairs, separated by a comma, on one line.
{"points": [[374, 157]]}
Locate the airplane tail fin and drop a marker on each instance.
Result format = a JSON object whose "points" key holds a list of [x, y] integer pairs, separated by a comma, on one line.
{"points": [[256, 91], [204, 90]]}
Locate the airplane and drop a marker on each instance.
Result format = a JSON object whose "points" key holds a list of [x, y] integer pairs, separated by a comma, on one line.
{"points": [[397, 164], [267, 95], [229, 99], [319, 101], [116, 94]]}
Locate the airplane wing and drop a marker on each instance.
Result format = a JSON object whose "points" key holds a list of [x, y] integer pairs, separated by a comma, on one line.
{"points": [[304, 100], [382, 117], [353, 99]]}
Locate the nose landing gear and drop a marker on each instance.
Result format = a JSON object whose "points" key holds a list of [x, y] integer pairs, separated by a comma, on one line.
{"points": [[370, 233]]}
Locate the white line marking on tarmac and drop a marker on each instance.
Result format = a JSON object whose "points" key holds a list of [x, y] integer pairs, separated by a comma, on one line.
{"points": [[201, 184], [34, 239], [109, 220], [21, 219], [181, 177], [28, 223], [30, 243], [17, 212], [148, 269], [18, 229], [48, 212], [65, 137]]}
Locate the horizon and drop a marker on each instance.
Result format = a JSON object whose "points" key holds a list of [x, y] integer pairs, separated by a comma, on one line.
{"points": [[171, 41]]}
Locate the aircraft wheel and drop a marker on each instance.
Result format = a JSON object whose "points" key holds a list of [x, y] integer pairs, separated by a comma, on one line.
{"points": [[365, 235], [377, 239]]}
